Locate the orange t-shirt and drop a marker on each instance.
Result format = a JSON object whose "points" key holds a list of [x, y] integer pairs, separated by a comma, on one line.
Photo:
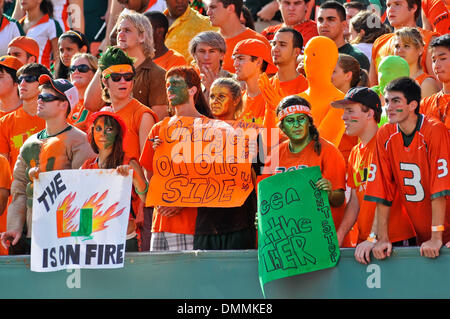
{"points": [[308, 30], [231, 43], [400, 227], [182, 223], [384, 46], [78, 116], [132, 114], [170, 59], [15, 128], [295, 86], [253, 108], [330, 162], [437, 14], [437, 106], [418, 172], [5, 173]]}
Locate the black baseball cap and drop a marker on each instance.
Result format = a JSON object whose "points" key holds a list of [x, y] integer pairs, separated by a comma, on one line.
{"points": [[363, 95]]}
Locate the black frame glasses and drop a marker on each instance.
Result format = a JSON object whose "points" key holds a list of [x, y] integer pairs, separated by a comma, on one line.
{"points": [[47, 97], [82, 68], [28, 78], [115, 77]]}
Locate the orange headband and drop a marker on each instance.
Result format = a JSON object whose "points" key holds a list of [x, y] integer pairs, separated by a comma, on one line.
{"points": [[294, 109], [118, 68]]}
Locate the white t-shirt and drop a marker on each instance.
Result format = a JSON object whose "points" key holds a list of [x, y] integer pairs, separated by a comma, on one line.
{"points": [[9, 29]]}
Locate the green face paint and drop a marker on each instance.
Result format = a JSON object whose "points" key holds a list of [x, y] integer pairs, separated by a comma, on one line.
{"points": [[177, 90], [296, 127], [105, 134]]}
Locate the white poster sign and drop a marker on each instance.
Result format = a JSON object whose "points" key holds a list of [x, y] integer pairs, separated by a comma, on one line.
{"points": [[80, 219]]}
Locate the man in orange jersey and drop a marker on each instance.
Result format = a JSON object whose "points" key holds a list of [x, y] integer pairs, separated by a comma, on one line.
{"points": [[58, 146], [9, 98], [362, 113], [287, 44], [411, 158], [164, 57], [294, 16], [225, 14], [400, 13], [252, 58], [438, 105]]}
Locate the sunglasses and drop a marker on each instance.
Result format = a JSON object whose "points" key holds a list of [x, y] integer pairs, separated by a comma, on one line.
{"points": [[27, 78], [115, 77], [82, 68], [46, 97]]}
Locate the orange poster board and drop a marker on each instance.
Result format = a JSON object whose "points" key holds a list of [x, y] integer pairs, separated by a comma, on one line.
{"points": [[202, 162]]}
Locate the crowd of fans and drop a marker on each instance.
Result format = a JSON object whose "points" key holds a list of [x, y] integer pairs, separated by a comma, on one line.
{"points": [[360, 89]]}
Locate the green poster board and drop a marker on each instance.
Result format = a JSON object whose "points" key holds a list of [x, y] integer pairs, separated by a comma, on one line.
{"points": [[296, 233]]}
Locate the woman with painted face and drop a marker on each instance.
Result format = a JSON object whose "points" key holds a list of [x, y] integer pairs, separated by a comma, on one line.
{"points": [[305, 148], [106, 135], [225, 99]]}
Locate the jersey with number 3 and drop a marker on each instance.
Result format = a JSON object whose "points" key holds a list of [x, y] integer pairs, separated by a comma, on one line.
{"points": [[419, 172]]}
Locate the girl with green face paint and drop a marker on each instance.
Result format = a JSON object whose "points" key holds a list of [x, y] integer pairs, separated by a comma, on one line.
{"points": [[304, 147], [106, 135]]}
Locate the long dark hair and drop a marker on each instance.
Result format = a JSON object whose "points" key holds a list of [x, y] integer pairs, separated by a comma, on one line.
{"points": [[191, 78], [117, 155], [313, 132], [62, 72]]}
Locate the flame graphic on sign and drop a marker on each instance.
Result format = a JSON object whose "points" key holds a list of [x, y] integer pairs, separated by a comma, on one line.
{"points": [[69, 223], [99, 217]]}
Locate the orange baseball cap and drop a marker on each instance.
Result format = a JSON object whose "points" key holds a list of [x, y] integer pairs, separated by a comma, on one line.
{"points": [[11, 62], [255, 47], [27, 44]]}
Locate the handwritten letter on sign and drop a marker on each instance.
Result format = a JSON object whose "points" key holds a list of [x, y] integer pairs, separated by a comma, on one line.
{"points": [[296, 233], [80, 219], [201, 163]]}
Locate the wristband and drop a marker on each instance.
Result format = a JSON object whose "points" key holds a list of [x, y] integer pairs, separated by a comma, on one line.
{"points": [[372, 238], [144, 191], [437, 228]]}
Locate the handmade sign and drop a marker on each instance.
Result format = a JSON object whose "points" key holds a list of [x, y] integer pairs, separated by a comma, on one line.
{"points": [[202, 163], [79, 222], [296, 233]]}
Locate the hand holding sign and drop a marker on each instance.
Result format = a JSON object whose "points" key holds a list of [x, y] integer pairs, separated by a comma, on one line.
{"points": [[296, 232]]}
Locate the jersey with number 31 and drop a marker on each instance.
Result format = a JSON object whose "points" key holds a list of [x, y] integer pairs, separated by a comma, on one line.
{"points": [[419, 172]]}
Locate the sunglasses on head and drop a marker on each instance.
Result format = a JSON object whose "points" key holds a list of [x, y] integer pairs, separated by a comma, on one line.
{"points": [[27, 78], [115, 77], [82, 68], [47, 97]]}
